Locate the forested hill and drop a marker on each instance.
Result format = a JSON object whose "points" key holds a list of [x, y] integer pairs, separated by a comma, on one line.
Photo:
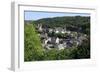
{"points": [[73, 23], [70, 22]]}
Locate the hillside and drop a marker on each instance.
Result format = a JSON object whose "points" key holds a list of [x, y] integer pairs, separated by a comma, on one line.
{"points": [[72, 23]]}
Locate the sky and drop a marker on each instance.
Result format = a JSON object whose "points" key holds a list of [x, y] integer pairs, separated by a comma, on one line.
{"points": [[33, 15]]}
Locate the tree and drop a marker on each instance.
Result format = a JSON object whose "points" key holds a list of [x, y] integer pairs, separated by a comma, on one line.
{"points": [[84, 49], [33, 49]]}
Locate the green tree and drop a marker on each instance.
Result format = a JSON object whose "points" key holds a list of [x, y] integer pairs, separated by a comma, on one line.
{"points": [[33, 49], [84, 49]]}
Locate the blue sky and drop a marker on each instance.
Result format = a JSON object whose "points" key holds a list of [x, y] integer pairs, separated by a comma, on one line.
{"points": [[31, 15]]}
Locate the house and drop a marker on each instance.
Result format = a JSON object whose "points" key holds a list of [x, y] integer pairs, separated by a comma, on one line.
{"points": [[63, 31], [50, 30], [40, 27], [43, 36], [68, 32], [49, 39], [57, 40], [56, 31], [60, 30], [49, 46]]}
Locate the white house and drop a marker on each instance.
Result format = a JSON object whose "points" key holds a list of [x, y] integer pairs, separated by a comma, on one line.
{"points": [[57, 40], [40, 27], [68, 32], [50, 30], [56, 31]]}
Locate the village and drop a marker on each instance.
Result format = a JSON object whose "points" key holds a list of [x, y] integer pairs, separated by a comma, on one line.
{"points": [[59, 38]]}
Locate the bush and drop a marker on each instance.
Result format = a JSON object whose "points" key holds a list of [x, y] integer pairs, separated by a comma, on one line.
{"points": [[33, 49]]}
